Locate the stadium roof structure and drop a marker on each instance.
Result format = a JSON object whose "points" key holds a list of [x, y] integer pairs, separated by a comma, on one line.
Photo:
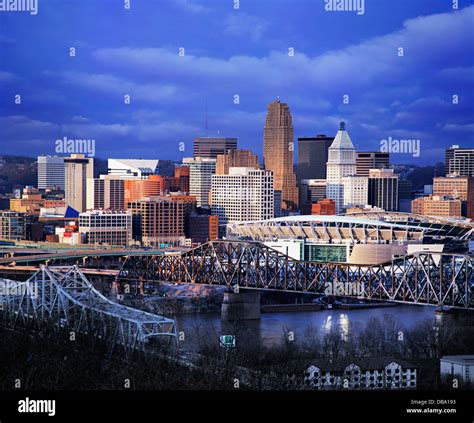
{"points": [[363, 228]]}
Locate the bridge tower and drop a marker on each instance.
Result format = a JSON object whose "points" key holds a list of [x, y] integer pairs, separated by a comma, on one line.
{"points": [[241, 306]]}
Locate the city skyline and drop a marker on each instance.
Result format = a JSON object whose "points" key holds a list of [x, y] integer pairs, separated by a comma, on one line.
{"points": [[236, 198], [258, 56]]}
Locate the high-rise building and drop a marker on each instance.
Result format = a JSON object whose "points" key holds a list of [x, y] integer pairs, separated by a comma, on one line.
{"points": [[158, 220], [405, 189], [371, 160], [277, 201], [51, 172], [235, 158], [459, 161], [311, 191], [134, 189], [211, 147], [341, 163], [106, 193], [106, 227], [435, 205], [133, 168], [383, 189], [405, 195], [77, 169], [313, 156], [355, 190], [457, 187], [278, 147], [245, 194], [200, 175]]}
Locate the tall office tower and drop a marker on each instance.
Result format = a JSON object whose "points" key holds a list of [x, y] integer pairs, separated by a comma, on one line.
{"points": [[245, 194], [383, 189], [158, 220], [134, 189], [459, 161], [235, 158], [459, 188], [341, 163], [50, 172], [77, 169], [106, 193], [278, 149], [371, 160], [355, 191], [313, 156], [211, 147], [133, 168], [200, 174]]}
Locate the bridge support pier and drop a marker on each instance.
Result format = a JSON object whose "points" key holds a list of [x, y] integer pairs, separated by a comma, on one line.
{"points": [[241, 306]]}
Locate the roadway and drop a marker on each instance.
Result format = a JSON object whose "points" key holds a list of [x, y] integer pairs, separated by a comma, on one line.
{"points": [[79, 254], [31, 269]]}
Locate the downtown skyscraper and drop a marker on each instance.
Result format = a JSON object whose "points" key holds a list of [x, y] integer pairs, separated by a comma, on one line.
{"points": [[341, 164], [278, 149]]}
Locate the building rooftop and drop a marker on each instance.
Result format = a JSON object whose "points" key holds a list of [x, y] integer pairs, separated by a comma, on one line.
{"points": [[460, 359], [342, 139], [372, 363]]}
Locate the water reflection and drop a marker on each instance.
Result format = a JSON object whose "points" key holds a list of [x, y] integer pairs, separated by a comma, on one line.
{"points": [[328, 324], [344, 326], [271, 328]]}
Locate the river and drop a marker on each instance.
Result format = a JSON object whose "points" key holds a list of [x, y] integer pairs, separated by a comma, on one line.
{"points": [[270, 329]]}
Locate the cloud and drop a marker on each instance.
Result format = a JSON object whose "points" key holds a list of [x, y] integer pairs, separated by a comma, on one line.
{"points": [[6, 76], [192, 6], [409, 96], [356, 67], [241, 24], [116, 86]]}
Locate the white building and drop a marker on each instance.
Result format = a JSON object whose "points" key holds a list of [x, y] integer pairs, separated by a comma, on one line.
{"points": [[50, 172], [356, 190], [68, 237], [293, 248], [245, 194], [106, 227], [458, 366], [133, 168], [341, 163], [77, 169], [372, 373], [106, 193], [201, 170]]}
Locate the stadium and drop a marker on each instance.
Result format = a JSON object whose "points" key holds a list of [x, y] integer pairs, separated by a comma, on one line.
{"points": [[360, 238]]}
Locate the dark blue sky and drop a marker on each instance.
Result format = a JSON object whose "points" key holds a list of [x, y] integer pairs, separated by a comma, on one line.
{"points": [[234, 52]]}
